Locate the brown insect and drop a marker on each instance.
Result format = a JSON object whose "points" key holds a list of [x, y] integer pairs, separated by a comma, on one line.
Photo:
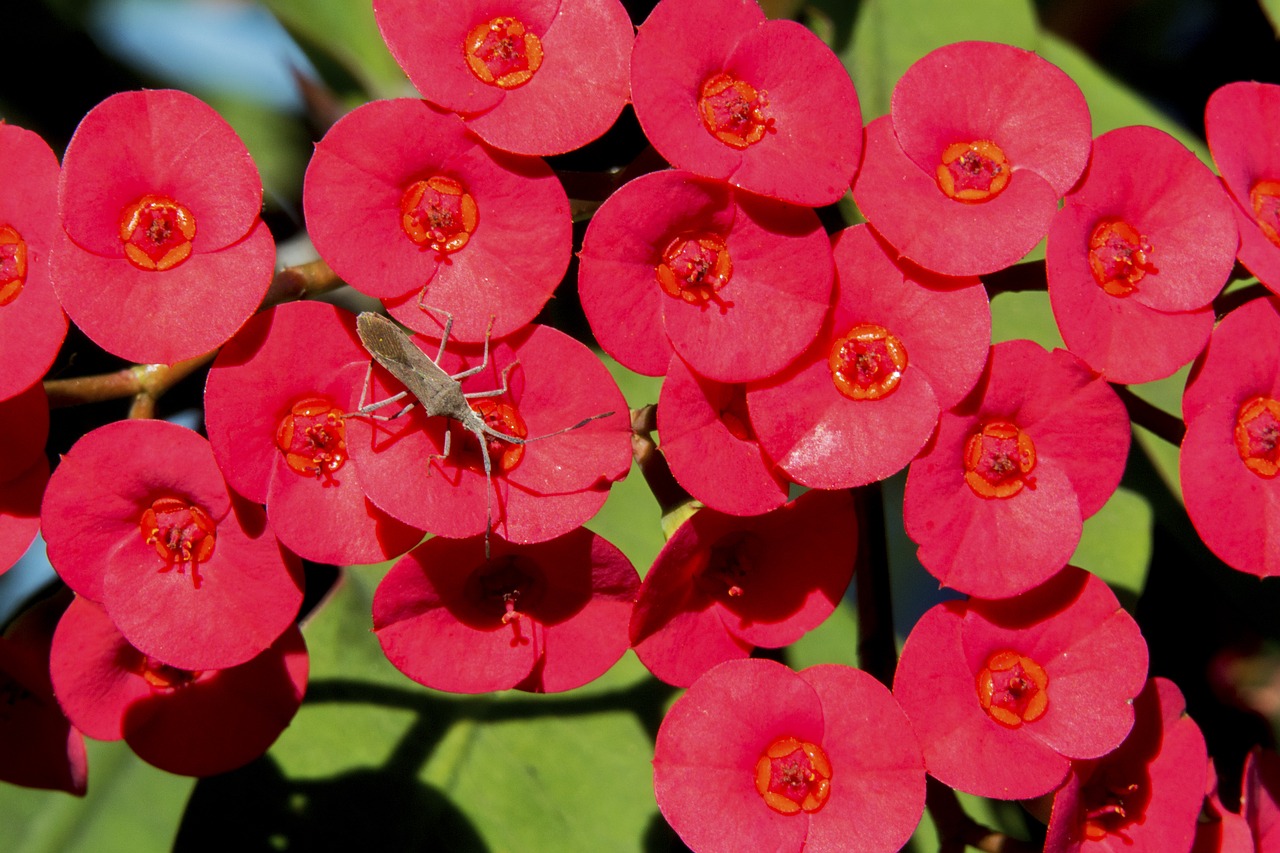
{"points": [[438, 392]]}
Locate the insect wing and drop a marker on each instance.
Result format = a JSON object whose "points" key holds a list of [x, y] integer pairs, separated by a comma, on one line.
{"points": [[393, 349]]}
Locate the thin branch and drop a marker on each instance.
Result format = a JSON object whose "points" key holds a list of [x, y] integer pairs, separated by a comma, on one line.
{"points": [[147, 383]]}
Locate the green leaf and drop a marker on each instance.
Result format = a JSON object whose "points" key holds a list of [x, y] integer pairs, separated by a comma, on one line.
{"points": [[346, 33], [1271, 8], [509, 771], [834, 641], [1024, 314], [1116, 545], [1111, 103], [890, 35], [108, 819]]}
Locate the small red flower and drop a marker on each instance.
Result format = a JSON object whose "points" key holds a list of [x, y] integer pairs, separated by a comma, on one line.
{"points": [[138, 519], [724, 584], [764, 105], [964, 174], [32, 324], [1261, 797], [539, 77], [899, 348], [541, 489], [276, 422], [1147, 794], [24, 470], [486, 234], [1136, 255], [1231, 452], [162, 255], [736, 284], [41, 749], [997, 500], [709, 443], [1004, 694], [1221, 830], [544, 618], [1242, 126], [757, 757], [194, 723]]}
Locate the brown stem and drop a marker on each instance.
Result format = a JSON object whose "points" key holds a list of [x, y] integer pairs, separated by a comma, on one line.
{"points": [[653, 465], [147, 383], [301, 281]]}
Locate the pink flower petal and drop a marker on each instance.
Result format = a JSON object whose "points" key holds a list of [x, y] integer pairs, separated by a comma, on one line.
{"points": [[963, 747], [707, 441]]}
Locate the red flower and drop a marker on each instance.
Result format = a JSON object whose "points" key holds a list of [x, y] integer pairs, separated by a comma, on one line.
{"points": [[162, 255], [710, 446], [1223, 831], [275, 421], [138, 519], [965, 173], [736, 284], [997, 501], [1261, 797], [1147, 794], [900, 347], [1242, 125], [1003, 694], [486, 234], [1231, 452], [757, 757], [24, 470], [39, 745], [1136, 255], [540, 490], [546, 80], [764, 105], [32, 325], [193, 723], [545, 617], [724, 584]]}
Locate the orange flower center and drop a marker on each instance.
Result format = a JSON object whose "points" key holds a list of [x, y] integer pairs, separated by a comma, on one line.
{"points": [[156, 232], [694, 269], [181, 533], [1264, 198], [733, 111], [502, 53], [1257, 436], [162, 677], [312, 437], [793, 776], [998, 460], [500, 417], [438, 214], [13, 264], [867, 363], [1011, 689], [1119, 257], [973, 171]]}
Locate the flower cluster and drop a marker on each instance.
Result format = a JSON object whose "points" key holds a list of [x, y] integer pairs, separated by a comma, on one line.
{"points": [[800, 361]]}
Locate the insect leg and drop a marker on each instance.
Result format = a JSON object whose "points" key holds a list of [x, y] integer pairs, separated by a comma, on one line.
{"points": [[502, 436], [367, 409], [484, 362]]}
